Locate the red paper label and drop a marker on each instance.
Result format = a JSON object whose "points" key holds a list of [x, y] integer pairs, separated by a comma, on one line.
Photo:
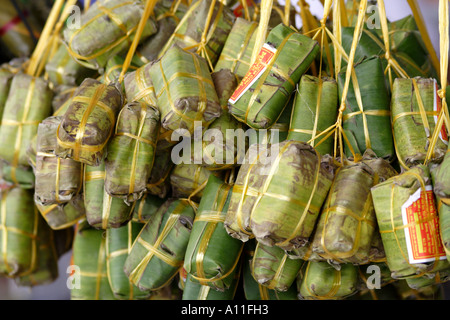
{"points": [[422, 234], [437, 108], [256, 70]]}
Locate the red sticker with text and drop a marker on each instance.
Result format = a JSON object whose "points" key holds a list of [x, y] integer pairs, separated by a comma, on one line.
{"points": [[256, 70], [422, 235]]}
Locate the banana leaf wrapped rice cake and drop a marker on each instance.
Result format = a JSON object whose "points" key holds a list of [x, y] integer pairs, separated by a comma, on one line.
{"points": [[107, 28], [158, 251], [57, 180], [184, 90], [278, 199], [46, 269], [19, 229], [265, 90], [64, 215], [29, 102], [131, 151], [256, 291], [314, 111], [159, 181], [272, 267], [63, 69], [404, 206], [321, 281], [347, 222], [189, 180], [89, 122], [415, 106], [167, 15], [193, 290], [211, 254], [366, 119], [237, 51], [88, 265], [203, 29], [118, 246], [102, 210], [222, 144]]}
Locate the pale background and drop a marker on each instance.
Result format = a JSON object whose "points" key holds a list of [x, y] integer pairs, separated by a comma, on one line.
{"points": [[395, 9]]}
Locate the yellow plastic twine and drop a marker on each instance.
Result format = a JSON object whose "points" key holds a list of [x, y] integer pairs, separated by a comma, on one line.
{"points": [[154, 249], [207, 33], [261, 32], [148, 10], [443, 116], [350, 70]]}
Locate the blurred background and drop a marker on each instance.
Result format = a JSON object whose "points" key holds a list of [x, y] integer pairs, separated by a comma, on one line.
{"points": [[396, 9]]}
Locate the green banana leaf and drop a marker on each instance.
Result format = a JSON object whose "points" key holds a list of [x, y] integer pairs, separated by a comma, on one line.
{"points": [[46, 270], [114, 68], [347, 221], [211, 254], [131, 151], [63, 95], [256, 291], [57, 180], [204, 18], [106, 29], [19, 229], [314, 111], [158, 251], [414, 107], [238, 48], [20, 176], [402, 209], [218, 149], [89, 122], [159, 182], [167, 15], [88, 279], [146, 207], [272, 267], [118, 246], [369, 121], [62, 216], [370, 44], [406, 38], [184, 90], [427, 280], [278, 132], [425, 293], [289, 203], [62, 69], [189, 180], [193, 290], [28, 103], [138, 86], [321, 281], [290, 54], [102, 210]]}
